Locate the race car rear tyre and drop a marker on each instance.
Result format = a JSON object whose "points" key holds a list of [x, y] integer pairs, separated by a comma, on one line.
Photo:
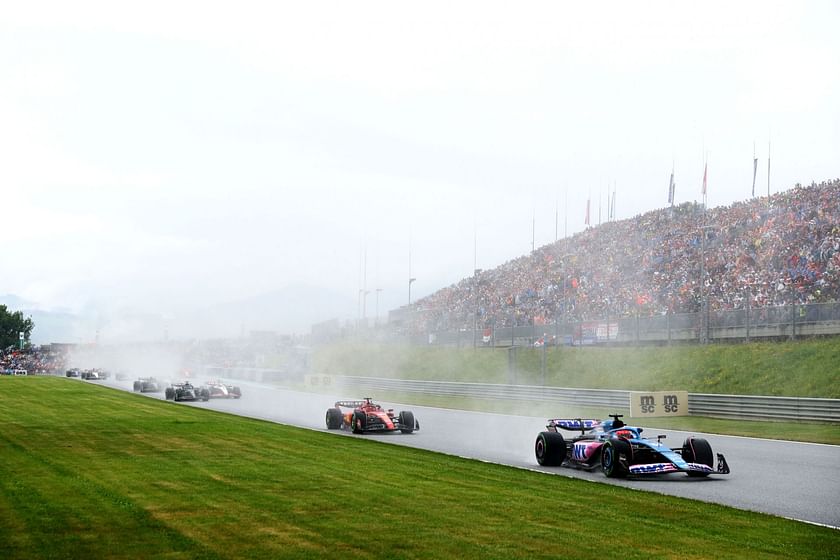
{"points": [[138, 386], [359, 422], [237, 392], [610, 463], [698, 450], [550, 449], [334, 418], [170, 394], [407, 419]]}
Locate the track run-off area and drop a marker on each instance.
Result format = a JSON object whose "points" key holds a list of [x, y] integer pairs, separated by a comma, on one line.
{"points": [[795, 480]]}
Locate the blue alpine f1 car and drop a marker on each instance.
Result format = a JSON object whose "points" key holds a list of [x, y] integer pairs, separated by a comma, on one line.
{"points": [[620, 450]]}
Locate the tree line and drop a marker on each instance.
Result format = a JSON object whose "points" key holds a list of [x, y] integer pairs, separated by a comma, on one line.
{"points": [[11, 325]]}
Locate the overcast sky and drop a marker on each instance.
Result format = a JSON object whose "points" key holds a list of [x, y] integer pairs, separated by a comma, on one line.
{"points": [[174, 154]]}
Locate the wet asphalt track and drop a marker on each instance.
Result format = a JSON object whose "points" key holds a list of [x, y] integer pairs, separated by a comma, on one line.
{"points": [[789, 479]]}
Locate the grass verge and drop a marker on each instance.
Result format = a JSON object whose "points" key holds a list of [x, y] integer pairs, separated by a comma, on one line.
{"points": [[91, 473], [803, 368]]}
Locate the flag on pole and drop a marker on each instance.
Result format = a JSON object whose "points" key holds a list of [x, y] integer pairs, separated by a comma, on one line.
{"points": [[705, 175], [755, 171], [586, 221], [671, 190]]}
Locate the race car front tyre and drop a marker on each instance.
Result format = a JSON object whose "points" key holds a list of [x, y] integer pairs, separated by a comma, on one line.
{"points": [[610, 452], [698, 450], [407, 419], [334, 418], [550, 449], [359, 422]]}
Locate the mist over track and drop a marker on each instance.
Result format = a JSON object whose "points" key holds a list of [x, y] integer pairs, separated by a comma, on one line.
{"points": [[789, 479]]}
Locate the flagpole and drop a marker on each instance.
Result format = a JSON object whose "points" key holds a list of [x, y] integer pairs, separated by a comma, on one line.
{"points": [[672, 187], [533, 228], [588, 204], [704, 297], [609, 203]]}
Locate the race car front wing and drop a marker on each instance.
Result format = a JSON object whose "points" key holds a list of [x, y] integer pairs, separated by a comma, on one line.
{"points": [[655, 468]]}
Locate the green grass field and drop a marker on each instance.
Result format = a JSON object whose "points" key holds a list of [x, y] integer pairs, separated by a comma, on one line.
{"points": [[807, 368], [88, 472]]}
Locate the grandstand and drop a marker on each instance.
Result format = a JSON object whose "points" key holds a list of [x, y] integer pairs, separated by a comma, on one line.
{"points": [[686, 260]]}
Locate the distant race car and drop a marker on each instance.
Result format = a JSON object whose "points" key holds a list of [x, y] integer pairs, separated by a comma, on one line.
{"points": [[148, 385], [75, 372], [367, 416], [186, 392], [219, 390], [619, 450], [94, 374]]}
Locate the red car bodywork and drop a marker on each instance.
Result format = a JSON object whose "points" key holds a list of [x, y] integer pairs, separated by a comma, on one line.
{"points": [[367, 416]]}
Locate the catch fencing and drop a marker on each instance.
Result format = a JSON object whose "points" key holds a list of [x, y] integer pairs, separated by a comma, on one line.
{"points": [[699, 404], [788, 322]]}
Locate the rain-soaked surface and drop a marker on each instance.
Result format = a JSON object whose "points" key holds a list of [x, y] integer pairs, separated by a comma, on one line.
{"points": [[789, 479]]}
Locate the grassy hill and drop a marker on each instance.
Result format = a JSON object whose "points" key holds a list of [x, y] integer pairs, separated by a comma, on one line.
{"points": [[808, 368], [89, 472]]}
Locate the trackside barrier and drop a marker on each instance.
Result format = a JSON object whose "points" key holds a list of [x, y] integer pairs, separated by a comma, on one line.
{"points": [[260, 375], [699, 404], [593, 397], [784, 408]]}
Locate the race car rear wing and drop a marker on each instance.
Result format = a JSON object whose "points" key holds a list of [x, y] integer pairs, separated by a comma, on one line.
{"points": [[578, 424], [349, 404]]}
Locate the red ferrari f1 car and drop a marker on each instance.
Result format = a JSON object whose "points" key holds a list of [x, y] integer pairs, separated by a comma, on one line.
{"points": [[367, 416]]}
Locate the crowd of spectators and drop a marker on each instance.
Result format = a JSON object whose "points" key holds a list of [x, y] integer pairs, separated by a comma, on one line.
{"points": [[180, 356], [31, 360], [762, 252]]}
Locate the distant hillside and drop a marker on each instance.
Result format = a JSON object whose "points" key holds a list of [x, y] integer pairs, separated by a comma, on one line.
{"points": [[806, 368]]}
